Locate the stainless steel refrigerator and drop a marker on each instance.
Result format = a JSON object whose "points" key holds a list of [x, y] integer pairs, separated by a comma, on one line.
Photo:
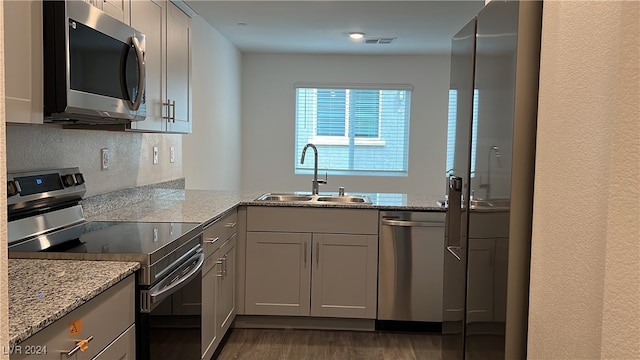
{"points": [[494, 79]]}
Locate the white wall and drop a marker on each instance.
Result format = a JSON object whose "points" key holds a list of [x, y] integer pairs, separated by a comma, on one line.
{"points": [[585, 267], [212, 151], [268, 121]]}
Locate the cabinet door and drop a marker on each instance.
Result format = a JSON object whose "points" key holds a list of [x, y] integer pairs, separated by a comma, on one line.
{"points": [[23, 61], [480, 289], [344, 282], [278, 273], [122, 348], [147, 16], [118, 9], [226, 295], [210, 287], [178, 85]]}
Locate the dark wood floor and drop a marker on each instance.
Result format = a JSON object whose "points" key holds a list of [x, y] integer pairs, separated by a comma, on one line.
{"points": [[269, 344]]}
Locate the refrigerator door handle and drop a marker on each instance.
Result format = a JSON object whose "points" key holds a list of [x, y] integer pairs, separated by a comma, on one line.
{"points": [[454, 213]]}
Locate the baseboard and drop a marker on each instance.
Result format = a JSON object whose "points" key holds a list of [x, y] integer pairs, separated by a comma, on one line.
{"points": [[295, 322]]}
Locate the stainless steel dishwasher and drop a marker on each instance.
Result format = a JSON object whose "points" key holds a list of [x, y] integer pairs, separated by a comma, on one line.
{"points": [[410, 274]]}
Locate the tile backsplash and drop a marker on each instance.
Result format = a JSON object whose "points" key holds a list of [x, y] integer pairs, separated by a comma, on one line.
{"points": [[130, 155]]}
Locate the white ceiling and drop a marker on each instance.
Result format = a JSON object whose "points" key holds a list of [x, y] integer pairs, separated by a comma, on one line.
{"points": [[321, 27]]}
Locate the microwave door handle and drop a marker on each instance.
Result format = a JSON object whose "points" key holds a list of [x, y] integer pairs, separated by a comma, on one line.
{"points": [[141, 70]]}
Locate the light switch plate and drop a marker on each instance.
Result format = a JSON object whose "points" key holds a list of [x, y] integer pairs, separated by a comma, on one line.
{"points": [[155, 155]]}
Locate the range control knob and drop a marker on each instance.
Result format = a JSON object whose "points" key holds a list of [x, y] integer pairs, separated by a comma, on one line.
{"points": [[79, 179], [68, 180], [12, 188]]}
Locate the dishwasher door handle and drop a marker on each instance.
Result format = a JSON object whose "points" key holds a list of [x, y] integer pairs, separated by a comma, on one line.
{"points": [[412, 223], [455, 251]]}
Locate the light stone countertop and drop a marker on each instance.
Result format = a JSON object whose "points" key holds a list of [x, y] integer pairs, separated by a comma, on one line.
{"points": [[202, 206], [43, 291]]}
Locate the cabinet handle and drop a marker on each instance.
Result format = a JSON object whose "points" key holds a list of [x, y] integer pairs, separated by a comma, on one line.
{"points": [[173, 116], [168, 105], [211, 240], [219, 262], [305, 254], [454, 250], [230, 225], [391, 222], [317, 254], [80, 345]]}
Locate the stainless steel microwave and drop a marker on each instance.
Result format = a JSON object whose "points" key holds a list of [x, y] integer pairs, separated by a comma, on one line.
{"points": [[94, 69]]}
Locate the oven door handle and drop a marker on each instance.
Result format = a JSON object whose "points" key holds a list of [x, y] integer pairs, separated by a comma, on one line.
{"points": [[155, 295]]}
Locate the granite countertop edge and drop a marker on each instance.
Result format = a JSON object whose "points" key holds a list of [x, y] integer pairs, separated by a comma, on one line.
{"points": [[203, 206], [26, 317]]}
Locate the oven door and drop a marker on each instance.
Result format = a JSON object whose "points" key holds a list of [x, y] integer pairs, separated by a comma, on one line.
{"points": [[169, 314]]}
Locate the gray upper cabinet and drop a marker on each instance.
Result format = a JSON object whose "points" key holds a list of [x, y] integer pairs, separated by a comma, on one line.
{"points": [[147, 16], [23, 61], [168, 65], [118, 9], [178, 70]]}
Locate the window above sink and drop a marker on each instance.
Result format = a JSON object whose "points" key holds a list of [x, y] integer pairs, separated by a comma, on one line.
{"points": [[358, 129]]}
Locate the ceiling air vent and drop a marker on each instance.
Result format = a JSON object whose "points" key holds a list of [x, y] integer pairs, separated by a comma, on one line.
{"points": [[379, 40]]}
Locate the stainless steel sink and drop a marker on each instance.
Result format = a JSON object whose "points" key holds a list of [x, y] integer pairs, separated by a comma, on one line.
{"points": [[308, 198], [345, 199], [284, 197]]}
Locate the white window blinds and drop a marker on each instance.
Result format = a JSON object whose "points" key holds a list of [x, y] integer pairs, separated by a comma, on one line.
{"points": [[361, 130], [451, 129]]}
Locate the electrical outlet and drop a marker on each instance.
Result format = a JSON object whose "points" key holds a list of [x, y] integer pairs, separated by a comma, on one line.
{"points": [[172, 154], [104, 158], [155, 155]]}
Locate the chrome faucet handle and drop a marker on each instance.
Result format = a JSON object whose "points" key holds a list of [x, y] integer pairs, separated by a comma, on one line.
{"points": [[321, 181], [341, 191]]}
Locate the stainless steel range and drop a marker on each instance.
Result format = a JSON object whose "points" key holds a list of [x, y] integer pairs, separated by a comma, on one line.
{"points": [[46, 221]]}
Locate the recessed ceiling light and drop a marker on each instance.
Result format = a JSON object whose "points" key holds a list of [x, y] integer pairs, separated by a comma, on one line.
{"points": [[356, 35]]}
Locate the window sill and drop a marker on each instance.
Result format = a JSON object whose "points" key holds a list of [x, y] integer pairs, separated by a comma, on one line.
{"points": [[344, 141]]}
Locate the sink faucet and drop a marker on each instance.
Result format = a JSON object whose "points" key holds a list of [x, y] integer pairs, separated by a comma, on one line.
{"points": [[487, 186], [315, 184]]}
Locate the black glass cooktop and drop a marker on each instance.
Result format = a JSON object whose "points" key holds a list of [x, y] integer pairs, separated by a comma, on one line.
{"points": [[99, 237]]}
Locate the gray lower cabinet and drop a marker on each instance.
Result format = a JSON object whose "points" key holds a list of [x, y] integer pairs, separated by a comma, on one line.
{"points": [[218, 294], [344, 276], [106, 322], [278, 274], [487, 259], [323, 264], [226, 304], [210, 338]]}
